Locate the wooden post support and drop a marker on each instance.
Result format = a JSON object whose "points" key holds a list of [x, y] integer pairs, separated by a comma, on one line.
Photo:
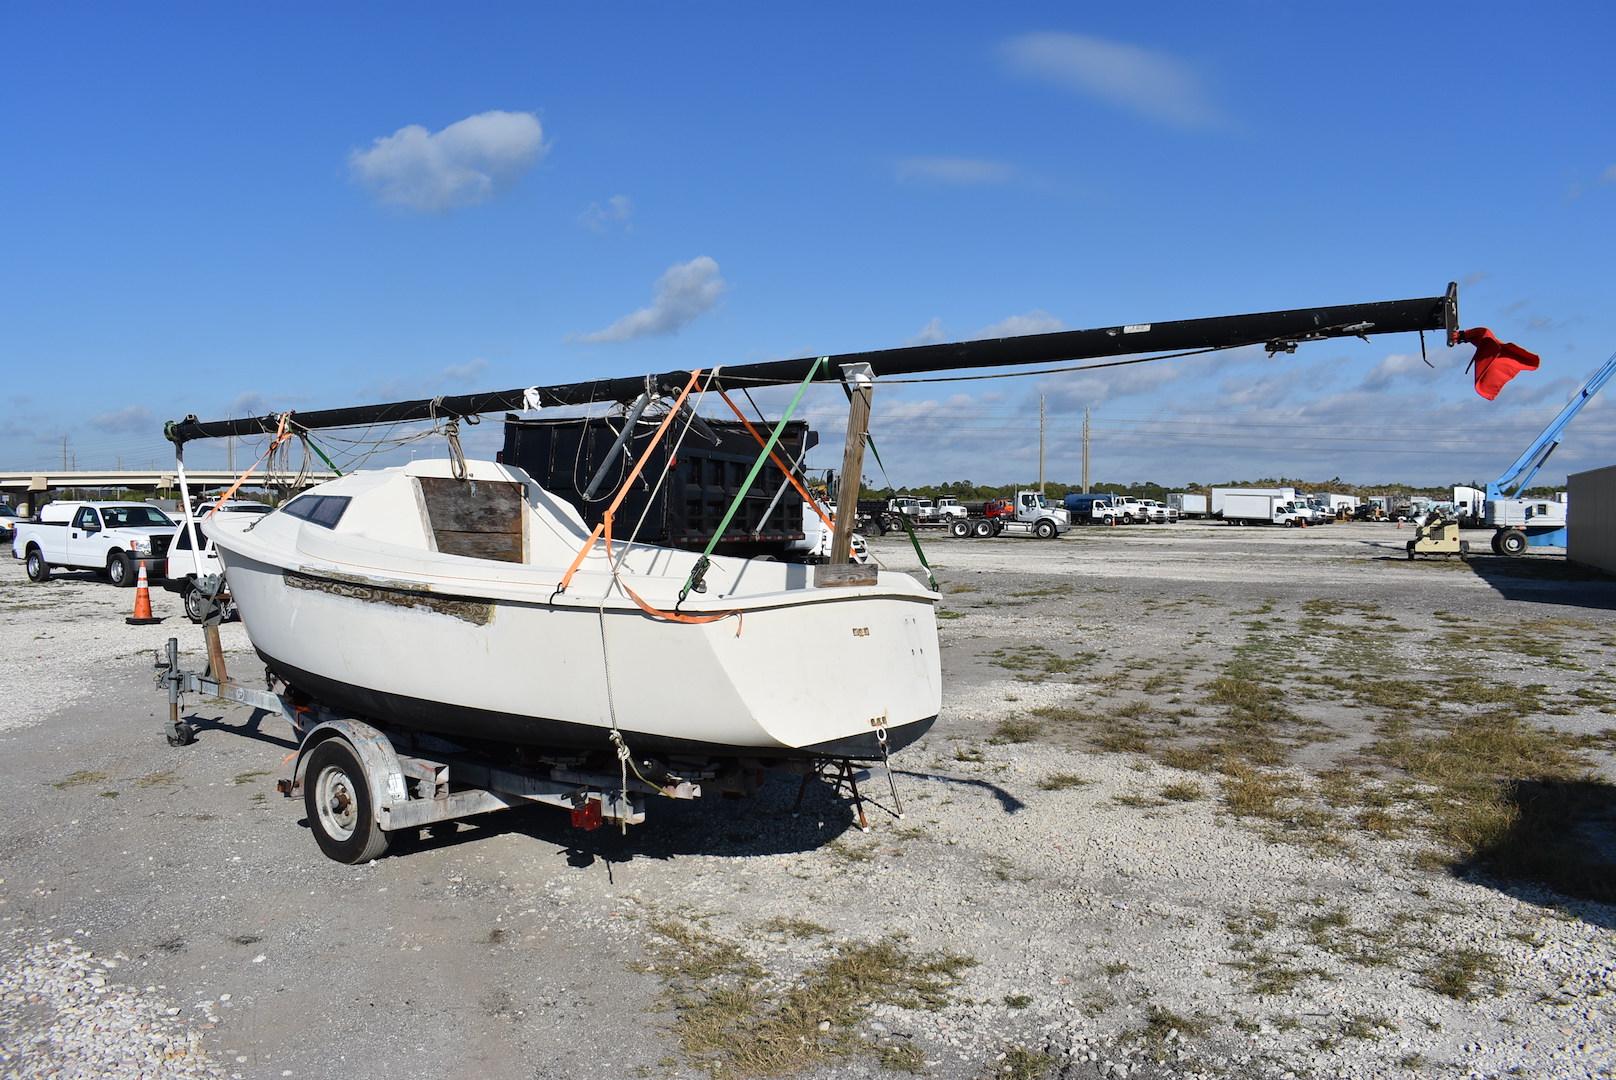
{"points": [[210, 633], [861, 380]]}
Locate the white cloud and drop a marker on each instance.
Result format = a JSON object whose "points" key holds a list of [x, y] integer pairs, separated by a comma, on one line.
{"points": [[249, 403], [1153, 84], [467, 162], [131, 418], [930, 334], [1032, 322], [683, 292], [1609, 175], [460, 373], [599, 217], [1398, 369], [961, 171]]}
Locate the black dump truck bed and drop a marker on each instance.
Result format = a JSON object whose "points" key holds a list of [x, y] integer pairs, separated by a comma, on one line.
{"points": [[563, 456]]}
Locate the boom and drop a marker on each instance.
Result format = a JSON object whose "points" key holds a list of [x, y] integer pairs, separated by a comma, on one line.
{"points": [[1278, 330], [1518, 477]]}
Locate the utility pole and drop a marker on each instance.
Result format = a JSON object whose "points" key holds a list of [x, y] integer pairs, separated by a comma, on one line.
{"points": [[1085, 449], [1040, 444], [64, 453], [230, 445]]}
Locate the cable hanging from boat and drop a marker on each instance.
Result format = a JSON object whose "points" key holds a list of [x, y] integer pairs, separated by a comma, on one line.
{"points": [[698, 572]]}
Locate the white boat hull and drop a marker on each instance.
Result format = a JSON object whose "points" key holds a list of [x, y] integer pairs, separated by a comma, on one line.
{"points": [[820, 676]]}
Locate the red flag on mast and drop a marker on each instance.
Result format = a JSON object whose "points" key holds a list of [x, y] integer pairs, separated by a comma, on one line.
{"points": [[1496, 361]]}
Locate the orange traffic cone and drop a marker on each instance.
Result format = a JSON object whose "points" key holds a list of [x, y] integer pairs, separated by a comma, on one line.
{"points": [[142, 615]]}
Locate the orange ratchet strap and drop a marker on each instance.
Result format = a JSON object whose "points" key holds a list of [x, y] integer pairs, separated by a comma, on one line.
{"points": [[606, 523], [774, 457]]}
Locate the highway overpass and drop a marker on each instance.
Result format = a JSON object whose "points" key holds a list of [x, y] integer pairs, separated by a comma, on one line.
{"points": [[47, 480]]}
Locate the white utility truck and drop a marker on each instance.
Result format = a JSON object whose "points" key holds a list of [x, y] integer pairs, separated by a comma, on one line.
{"points": [[115, 538]]}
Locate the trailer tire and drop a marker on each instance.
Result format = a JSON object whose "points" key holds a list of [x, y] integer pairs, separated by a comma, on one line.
{"points": [[1511, 542], [960, 529], [120, 571], [38, 568], [194, 603], [336, 796], [1044, 530]]}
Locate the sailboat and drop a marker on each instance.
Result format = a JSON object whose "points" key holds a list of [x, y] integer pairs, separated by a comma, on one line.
{"points": [[430, 595], [461, 598]]}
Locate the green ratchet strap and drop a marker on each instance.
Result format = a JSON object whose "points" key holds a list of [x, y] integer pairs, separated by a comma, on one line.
{"points": [[908, 526], [329, 463], [699, 571]]}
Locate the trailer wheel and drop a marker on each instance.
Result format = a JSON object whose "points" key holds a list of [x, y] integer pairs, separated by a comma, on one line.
{"points": [[38, 568], [337, 798], [120, 571], [181, 734], [960, 528], [1044, 530], [194, 604], [1511, 542]]}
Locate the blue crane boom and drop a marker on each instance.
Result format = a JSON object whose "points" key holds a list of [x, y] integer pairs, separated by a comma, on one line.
{"points": [[1518, 477]]}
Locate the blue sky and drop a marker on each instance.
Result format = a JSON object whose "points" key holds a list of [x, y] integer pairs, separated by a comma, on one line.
{"points": [[214, 210]]}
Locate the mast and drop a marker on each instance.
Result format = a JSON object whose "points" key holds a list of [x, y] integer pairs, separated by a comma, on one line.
{"points": [[1277, 330]]}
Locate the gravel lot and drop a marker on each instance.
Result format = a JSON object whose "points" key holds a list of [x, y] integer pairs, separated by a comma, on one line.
{"points": [[1131, 903]]}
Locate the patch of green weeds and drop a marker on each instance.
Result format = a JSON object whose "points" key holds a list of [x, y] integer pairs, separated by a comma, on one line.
{"points": [[79, 779], [792, 927], [1062, 781], [729, 1021], [1463, 974], [1016, 730]]}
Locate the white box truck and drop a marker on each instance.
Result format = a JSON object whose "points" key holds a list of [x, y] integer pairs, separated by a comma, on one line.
{"points": [[1283, 494], [1240, 508], [1187, 505]]}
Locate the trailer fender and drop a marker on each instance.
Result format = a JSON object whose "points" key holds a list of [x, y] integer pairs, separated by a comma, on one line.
{"points": [[384, 774]]}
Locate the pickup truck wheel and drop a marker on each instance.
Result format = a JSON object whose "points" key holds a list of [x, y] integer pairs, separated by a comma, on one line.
{"points": [[1044, 530], [960, 528], [119, 570], [38, 568], [1108, 520], [337, 798]]}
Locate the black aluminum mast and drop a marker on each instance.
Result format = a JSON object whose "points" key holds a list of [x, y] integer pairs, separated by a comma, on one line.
{"points": [[1275, 329]]}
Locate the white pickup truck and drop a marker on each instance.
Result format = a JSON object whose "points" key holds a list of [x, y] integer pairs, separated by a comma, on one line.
{"points": [[182, 576], [114, 538]]}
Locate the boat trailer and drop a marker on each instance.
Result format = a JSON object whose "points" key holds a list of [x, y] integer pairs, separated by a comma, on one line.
{"points": [[362, 780]]}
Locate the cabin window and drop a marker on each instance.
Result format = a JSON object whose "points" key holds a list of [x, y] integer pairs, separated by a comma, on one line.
{"points": [[322, 510], [480, 519]]}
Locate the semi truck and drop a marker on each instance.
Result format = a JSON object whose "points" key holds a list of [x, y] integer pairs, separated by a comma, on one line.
{"points": [[1028, 514]]}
